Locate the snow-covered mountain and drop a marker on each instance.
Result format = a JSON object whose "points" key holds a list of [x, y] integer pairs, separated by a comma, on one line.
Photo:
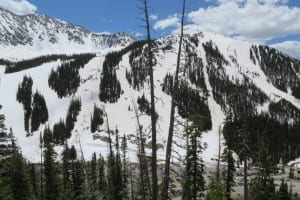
{"points": [[217, 73], [26, 36]]}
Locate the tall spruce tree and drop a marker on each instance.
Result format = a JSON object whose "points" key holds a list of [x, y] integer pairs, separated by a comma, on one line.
{"points": [[194, 181], [19, 176], [78, 180], [102, 179], [67, 193], [52, 180], [93, 177], [227, 157], [216, 190], [229, 171], [283, 192]]}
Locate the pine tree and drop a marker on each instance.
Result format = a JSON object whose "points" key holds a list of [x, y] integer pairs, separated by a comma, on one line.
{"points": [[52, 182], [283, 192], [216, 191], [102, 179], [93, 177], [229, 172], [227, 157], [187, 181], [67, 193], [6, 190], [19, 175], [78, 180], [194, 183]]}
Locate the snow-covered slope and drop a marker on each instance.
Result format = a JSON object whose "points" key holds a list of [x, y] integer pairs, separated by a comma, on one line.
{"points": [[227, 59], [26, 36]]}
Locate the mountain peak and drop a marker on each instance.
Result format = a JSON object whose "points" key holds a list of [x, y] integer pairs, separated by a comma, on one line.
{"points": [[38, 34]]}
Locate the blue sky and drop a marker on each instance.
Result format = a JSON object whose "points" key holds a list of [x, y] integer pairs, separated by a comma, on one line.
{"points": [[110, 15], [272, 22]]}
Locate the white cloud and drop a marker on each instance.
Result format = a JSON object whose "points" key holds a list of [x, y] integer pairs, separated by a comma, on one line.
{"points": [[153, 17], [137, 34], [20, 7], [105, 20], [291, 48], [170, 21], [255, 20]]}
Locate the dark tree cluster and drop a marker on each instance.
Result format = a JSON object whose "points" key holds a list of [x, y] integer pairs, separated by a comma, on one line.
{"points": [[62, 130], [283, 139], [284, 111], [39, 111], [110, 87], [59, 132], [65, 80], [34, 109], [194, 65], [241, 96], [96, 118], [167, 86], [280, 69], [13, 67], [214, 55], [71, 118], [144, 105], [4, 62], [189, 101], [139, 71]]}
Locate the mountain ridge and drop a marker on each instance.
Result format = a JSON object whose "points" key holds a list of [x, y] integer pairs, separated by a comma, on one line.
{"points": [[33, 35]]}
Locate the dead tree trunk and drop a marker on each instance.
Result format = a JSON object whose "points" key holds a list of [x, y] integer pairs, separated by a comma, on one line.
{"points": [[219, 157], [245, 180], [145, 179], [109, 137], [153, 113], [172, 117]]}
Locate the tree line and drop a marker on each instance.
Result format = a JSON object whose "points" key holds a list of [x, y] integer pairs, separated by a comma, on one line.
{"points": [[12, 67], [34, 105]]}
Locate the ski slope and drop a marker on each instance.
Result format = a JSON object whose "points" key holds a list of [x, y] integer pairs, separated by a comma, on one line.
{"points": [[121, 115]]}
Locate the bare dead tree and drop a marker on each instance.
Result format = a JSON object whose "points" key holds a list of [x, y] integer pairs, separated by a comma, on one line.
{"points": [[131, 181], [145, 179], [164, 194], [85, 169], [109, 136], [153, 113], [219, 157], [41, 166]]}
